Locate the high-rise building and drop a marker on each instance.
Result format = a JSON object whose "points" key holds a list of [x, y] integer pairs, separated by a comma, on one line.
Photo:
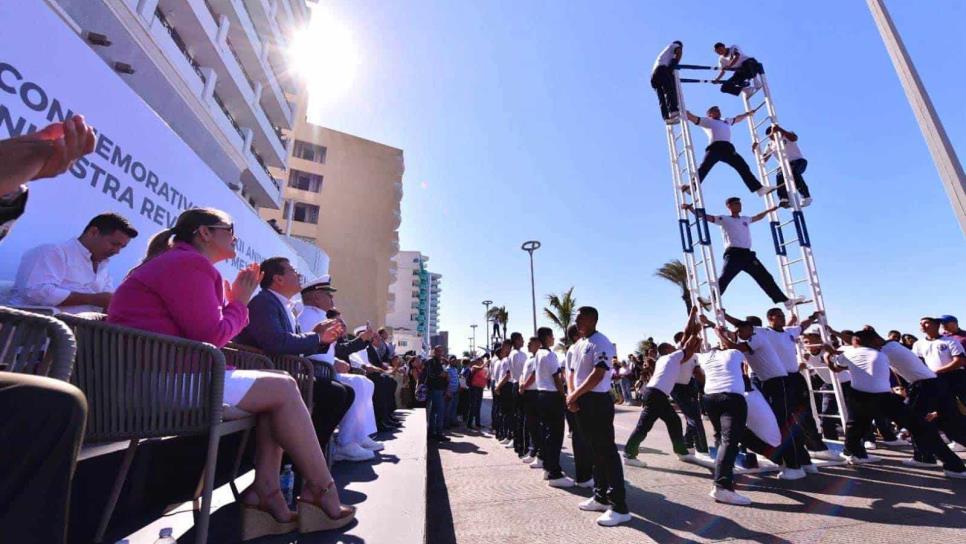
{"points": [[416, 291], [215, 70], [342, 194]]}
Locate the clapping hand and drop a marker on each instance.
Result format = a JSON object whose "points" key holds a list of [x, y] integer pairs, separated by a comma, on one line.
{"points": [[330, 330], [245, 284]]}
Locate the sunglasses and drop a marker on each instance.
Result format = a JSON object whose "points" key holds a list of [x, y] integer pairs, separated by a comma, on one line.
{"points": [[229, 228]]}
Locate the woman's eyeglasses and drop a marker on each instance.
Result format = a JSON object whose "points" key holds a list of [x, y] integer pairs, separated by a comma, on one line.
{"points": [[229, 228]]}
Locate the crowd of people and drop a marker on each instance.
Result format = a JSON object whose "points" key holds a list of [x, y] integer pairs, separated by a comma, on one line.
{"points": [[751, 386]]}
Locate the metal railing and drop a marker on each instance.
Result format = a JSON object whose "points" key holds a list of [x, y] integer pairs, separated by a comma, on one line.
{"points": [[176, 38], [261, 162], [224, 109]]}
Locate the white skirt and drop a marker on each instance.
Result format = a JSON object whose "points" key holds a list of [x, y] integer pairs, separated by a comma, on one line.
{"points": [[237, 384]]}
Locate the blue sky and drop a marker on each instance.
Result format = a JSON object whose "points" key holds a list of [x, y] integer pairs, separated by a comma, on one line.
{"points": [[535, 120]]}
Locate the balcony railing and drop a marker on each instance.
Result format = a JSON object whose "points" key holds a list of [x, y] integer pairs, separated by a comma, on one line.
{"points": [[241, 66], [261, 162], [176, 38], [224, 110]]}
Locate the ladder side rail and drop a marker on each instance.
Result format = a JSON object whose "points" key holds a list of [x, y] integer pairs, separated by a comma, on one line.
{"points": [[707, 252]]}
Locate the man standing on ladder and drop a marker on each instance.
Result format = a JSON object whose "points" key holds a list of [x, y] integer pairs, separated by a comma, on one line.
{"points": [[745, 67], [720, 148], [738, 256], [796, 161], [662, 81]]}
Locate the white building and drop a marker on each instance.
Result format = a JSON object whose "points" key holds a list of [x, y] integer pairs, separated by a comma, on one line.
{"points": [[415, 292], [191, 103]]}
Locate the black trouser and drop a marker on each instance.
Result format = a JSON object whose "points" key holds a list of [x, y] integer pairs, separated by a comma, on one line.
{"points": [[779, 395], [662, 81], [685, 395], [802, 412], [798, 168], [831, 407], [655, 405], [519, 423], [41, 430], [925, 396], [508, 410], [596, 421], [583, 462], [331, 400], [955, 382], [532, 424], [496, 416], [383, 395], [550, 411], [739, 79], [864, 406], [728, 413], [739, 259], [475, 395], [725, 152]]}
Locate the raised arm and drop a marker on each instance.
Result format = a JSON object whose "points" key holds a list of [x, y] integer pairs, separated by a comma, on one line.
{"points": [[759, 216], [692, 117]]}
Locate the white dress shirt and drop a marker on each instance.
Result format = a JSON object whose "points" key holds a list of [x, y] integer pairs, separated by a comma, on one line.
{"points": [[289, 309], [48, 274]]}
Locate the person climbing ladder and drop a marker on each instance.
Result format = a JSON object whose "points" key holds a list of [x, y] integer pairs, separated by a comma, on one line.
{"points": [[720, 148]]}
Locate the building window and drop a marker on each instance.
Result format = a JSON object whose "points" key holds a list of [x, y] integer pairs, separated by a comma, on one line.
{"points": [[303, 213], [304, 181], [305, 239], [309, 152]]}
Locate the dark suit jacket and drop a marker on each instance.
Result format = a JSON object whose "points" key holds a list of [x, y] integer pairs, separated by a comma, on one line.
{"points": [[269, 328]]}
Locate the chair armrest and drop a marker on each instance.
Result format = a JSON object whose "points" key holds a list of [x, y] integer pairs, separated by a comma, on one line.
{"points": [[141, 384], [246, 360], [35, 344], [304, 372]]}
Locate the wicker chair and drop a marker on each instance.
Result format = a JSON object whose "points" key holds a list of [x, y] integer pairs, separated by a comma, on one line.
{"points": [[35, 344], [142, 385]]}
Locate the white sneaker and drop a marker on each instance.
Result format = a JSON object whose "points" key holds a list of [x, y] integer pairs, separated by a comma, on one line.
{"points": [[591, 505], [612, 518], [586, 484], [673, 118], [827, 455], [918, 464], [509, 444], [869, 445], [854, 460], [688, 457], [791, 474], [351, 452], [765, 190], [527, 459], [765, 462], [371, 444], [792, 302], [956, 475], [806, 202], [810, 469], [563, 482], [634, 462], [727, 496], [897, 443], [537, 463], [956, 446], [505, 441]]}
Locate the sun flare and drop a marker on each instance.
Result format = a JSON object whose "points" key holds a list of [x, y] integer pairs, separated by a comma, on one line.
{"points": [[325, 55]]}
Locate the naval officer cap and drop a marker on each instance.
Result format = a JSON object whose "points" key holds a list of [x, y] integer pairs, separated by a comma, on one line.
{"points": [[322, 283]]}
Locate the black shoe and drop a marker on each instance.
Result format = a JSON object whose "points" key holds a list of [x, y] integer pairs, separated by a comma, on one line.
{"points": [[442, 438]]}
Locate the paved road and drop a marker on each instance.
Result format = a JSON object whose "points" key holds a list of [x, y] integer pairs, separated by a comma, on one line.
{"points": [[479, 492]]}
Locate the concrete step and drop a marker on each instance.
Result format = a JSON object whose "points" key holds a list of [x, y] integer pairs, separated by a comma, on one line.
{"points": [[390, 494]]}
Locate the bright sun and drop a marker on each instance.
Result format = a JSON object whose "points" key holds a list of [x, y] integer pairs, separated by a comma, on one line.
{"points": [[325, 55]]}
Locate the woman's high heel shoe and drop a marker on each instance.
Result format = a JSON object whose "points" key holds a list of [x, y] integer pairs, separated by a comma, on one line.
{"points": [[258, 521], [312, 517]]}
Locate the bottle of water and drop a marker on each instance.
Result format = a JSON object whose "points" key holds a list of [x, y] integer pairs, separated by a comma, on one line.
{"points": [[287, 484], [164, 537]]}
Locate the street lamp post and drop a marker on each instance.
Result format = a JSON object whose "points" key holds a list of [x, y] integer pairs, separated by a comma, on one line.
{"points": [[486, 319], [530, 246], [473, 343]]}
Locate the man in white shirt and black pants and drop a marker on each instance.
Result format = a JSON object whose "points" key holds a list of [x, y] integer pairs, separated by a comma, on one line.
{"points": [[872, 392], [533, 432], [685, 395], [547, 372], [738, 256], [583, 464], [745, 68], [944, 355], [796, 161], [662, 80], [655, 403], [517, 359], [721, 149], [504, 394], [594, 407]]}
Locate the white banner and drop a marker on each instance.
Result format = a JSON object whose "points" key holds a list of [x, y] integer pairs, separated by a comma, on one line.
{"points": [[140, 168]]}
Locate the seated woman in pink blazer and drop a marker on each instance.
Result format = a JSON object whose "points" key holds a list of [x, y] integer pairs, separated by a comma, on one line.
{"points": [[177, 291]]}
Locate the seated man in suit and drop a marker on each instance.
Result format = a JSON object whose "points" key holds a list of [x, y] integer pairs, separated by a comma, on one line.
{"points": [[272, 327], [380, 372]]}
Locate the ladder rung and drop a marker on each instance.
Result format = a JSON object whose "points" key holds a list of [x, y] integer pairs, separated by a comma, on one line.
{"points": [[699, 262], [763, 121], [678, 135], [795, 261], [786, 223], [703, 283], [800, 281], [773, 170], [758, 106], [790, 242], [682, 152]]}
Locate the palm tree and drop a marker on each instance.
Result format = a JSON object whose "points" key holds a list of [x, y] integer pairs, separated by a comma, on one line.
{"points": [[675, 272], [499, 316], [644, 345], [561, 312]]}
